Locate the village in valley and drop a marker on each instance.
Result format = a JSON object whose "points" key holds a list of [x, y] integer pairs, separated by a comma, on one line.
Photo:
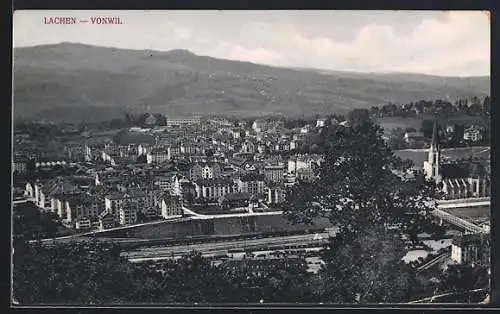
{"points": [[160, 177], [198, 158]]}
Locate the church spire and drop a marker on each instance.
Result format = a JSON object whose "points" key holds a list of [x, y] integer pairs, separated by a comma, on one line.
{"points": [[435, 139], [433, 161]]}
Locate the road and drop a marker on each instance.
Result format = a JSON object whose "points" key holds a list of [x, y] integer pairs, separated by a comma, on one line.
{"points": [[433, 298], [195, 215], [439, 259], [79, 235], [19, 202]]}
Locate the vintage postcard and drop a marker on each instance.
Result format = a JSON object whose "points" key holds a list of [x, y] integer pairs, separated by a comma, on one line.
{"points": [[250, 157]]}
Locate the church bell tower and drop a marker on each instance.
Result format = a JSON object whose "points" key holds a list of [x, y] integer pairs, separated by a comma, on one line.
{"points": [[432, 166]]}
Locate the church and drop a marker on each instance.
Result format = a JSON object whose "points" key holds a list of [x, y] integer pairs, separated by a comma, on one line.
{"points": [[456, 179]]}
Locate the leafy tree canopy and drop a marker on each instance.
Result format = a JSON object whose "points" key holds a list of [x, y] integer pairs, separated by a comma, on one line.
{"points": [[361, 182]]}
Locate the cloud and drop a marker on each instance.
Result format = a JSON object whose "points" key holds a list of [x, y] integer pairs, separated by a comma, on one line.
{"points": [[435, 45], [439, 44], [182, 33], [239, 52]]}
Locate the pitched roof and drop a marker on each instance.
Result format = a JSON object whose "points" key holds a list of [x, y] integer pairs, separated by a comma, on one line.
{"points": [[104, 214], [59, 185], [237, 196], [454, 170], [252, 177]]}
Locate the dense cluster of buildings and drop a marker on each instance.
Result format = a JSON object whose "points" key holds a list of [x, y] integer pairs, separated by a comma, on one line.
{"points": [[158, 172], [105, 180]]}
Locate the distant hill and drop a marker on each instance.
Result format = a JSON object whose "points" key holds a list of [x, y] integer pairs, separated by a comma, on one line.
{"points": [[74, 82]]}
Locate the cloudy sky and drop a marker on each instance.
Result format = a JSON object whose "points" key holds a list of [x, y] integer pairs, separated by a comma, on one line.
{"points": [[441, 43]]}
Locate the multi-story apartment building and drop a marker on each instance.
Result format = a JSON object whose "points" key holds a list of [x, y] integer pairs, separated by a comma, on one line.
{"points": [[205, 171], [259, 125], [212, 189], [115, 201], [164, 183], [82, 206], [253, 184], [56, 186], [173, 152], [275, 195], [127, 214], [470, 248], [143, 149], [157, 156], [305, 162], [171, 206], [274, 173], [19, 165], [107, 220], [236, 133], [183, 121], [191, 149]]}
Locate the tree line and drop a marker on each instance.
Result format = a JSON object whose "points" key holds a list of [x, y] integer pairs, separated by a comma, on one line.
{"points": [[465, 105]]}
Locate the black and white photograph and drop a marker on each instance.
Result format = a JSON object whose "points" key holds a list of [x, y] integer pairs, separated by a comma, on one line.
{"points": [[266, 157]]}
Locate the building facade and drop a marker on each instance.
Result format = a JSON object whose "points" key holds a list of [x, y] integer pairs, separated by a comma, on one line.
{"points": [[471, 248], [205, 171], [456, 179], [171, 206], [213, 189], [253, 184], [274, 173], [183, 121], [275, 195]]}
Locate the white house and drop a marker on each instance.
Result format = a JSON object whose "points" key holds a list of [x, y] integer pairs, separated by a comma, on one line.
{"points": [[473, 134], [321, 122], [205, 171]]}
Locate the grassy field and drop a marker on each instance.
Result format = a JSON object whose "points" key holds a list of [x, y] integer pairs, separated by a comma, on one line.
{"points": [[389, 123]]}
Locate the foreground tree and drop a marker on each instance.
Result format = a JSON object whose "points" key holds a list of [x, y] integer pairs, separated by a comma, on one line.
{"points": [[367, 192], [358, 117], [95, 273], [426, 127], [361, 182], [366, 266]]}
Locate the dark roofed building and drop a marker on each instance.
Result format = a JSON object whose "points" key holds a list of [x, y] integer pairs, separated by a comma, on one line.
{"points": [[454, 170], [212, 189], [252, 177], [251, 183], [471, 248], [234, 200]]}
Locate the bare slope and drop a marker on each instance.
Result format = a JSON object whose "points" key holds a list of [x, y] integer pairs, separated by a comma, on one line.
{"points": [[70, 81]]}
